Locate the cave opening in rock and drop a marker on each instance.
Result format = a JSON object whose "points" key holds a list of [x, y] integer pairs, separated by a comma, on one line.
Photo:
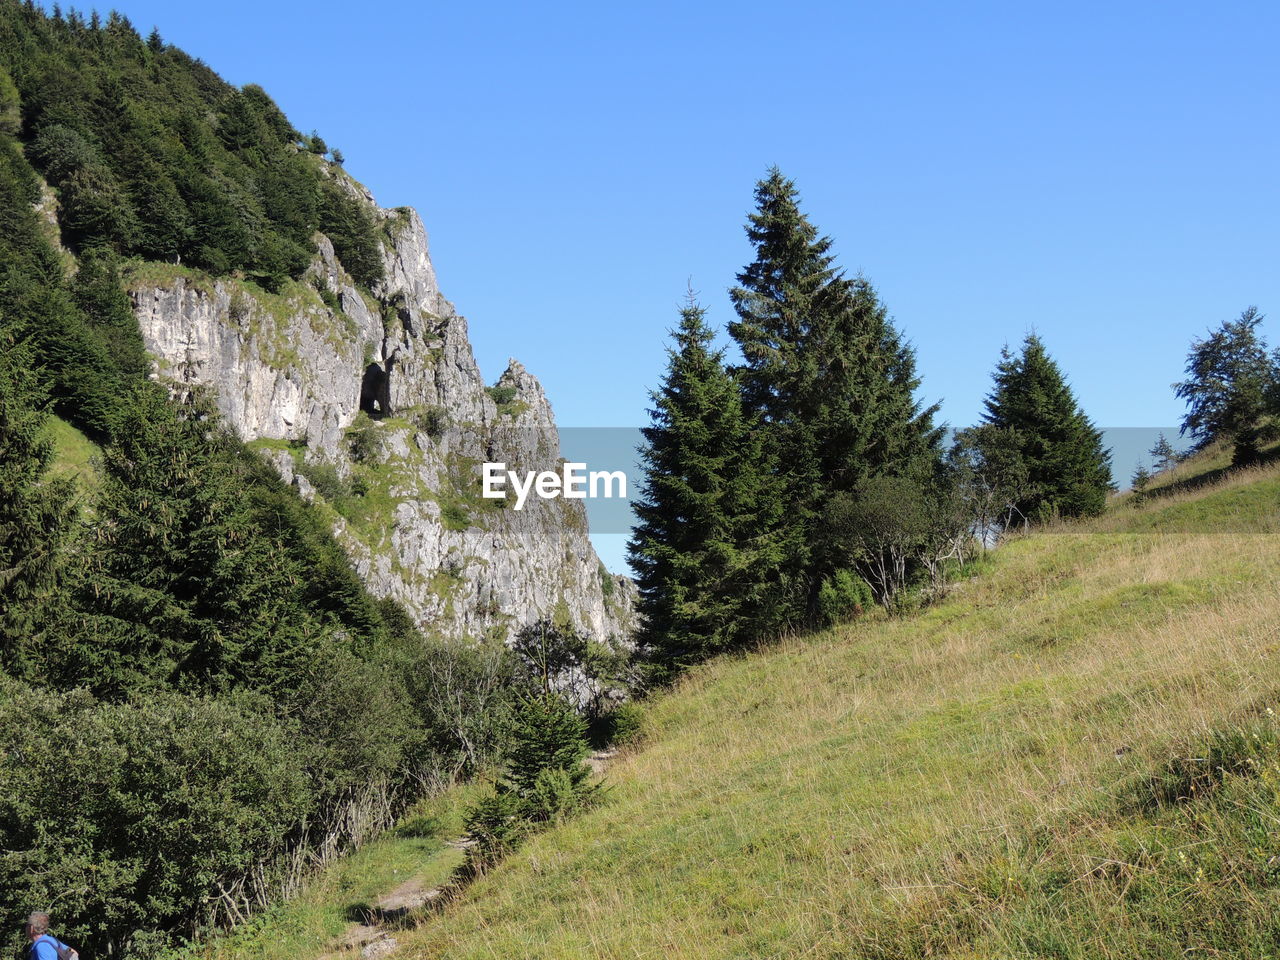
{"points": [[375, 387]]}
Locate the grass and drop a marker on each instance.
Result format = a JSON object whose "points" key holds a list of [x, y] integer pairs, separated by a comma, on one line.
{"points": [[73, 453], [1071, 756], [312, 923], [1205, 469]]}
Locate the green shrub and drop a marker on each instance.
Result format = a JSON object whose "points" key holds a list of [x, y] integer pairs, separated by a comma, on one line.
{"points": [[324, 477], [626, 724], [546, 734], [364, 439], [431, 420], [136, 815], [495, 825], [554, 796], [502, 396], [842, 595], [455, 517]]}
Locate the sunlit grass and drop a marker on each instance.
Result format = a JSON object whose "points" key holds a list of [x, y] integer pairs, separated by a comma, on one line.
{"points": [[313, 923], [73, 453], [963, 782]]}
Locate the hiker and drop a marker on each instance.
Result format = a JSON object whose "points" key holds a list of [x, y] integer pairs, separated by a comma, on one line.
{"points": [[44, 946]]}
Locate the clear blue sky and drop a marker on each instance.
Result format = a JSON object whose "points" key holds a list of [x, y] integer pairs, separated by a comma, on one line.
{"points": [[1105, 173]]}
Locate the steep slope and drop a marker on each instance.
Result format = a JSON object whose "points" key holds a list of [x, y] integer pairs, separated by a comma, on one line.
{"points": [[261, 271], [373, 403], [1027, 769]]}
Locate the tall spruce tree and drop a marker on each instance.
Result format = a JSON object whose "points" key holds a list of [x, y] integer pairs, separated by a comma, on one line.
{"points": [[37, 512], [828, 374], [708, 545], [1033, 411]]}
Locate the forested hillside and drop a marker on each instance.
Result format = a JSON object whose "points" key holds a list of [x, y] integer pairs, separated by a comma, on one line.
{"points": [[198, 696]]}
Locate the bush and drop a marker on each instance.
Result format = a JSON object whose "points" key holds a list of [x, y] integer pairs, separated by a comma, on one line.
{"points": [[324, 477], [842, 595], [455, 517], [502, 396], [139, 815], [432, 421], [554, 796], [330, 299], [495, 825], [363, 440], [462, 696], [626, 724]]}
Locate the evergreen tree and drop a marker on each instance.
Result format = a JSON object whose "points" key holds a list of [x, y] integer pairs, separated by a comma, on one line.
{"points": [[1067, 470], [1139, 483], [828, 374], [707, 546], [1163, 455], [1230, 380], [187, 585], [10, 106], [37, 513], [547, 734], [154, 155], [100, 294]]}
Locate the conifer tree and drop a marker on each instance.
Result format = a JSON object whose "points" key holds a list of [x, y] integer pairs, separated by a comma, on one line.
{"points": [[1230, 380], [37, 513], [708, 546], [187, 584], [547, 734], [1163, 455], [1067, 470], [1140, 481], [828, 374]]}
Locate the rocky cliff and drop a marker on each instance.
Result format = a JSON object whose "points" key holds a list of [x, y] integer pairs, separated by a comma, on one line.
{"points": [[372, 403]]}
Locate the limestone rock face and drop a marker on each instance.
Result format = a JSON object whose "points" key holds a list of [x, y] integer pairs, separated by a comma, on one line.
{"points": [[373, 405]]}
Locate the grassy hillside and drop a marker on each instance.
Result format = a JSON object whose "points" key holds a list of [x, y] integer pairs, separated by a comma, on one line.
{"points": [[1074, 755], [73, 452]]}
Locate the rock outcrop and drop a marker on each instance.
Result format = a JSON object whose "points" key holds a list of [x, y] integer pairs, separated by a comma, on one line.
{"points": [[372, 403]]}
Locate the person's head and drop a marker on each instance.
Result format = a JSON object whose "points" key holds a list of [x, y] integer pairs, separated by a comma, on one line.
{"points": [[37, 924]]}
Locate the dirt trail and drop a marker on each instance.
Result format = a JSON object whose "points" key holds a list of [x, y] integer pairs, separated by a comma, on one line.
{"points": [[374, 935]]}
